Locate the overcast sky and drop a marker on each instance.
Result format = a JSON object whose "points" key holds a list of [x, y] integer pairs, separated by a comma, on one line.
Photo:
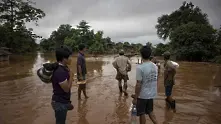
{"points": [[122, 20]]}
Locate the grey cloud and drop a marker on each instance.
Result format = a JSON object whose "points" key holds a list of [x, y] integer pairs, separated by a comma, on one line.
{"points": [[131, 20]]}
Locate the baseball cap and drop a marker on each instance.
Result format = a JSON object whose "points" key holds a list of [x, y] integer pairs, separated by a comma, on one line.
{"points": [[167, 53], [121, 51]]}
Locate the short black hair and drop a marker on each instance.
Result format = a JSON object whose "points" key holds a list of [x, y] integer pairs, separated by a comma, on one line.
{"points": [[81, 47], [145, 52], [121, 54], [151, 57], [62, 53]]}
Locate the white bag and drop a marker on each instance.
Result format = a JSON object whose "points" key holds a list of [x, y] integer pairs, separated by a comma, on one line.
{"points": [[175, 64]]}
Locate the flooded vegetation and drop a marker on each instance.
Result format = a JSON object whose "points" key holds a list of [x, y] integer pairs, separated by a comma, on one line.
{"points": [[25, 99]]}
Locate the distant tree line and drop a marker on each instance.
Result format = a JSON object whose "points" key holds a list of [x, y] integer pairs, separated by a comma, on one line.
{"points": [[191, 37], [83, 34]]}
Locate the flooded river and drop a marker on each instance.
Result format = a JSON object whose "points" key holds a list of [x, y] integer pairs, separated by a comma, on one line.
{"points": [[24, 99]]}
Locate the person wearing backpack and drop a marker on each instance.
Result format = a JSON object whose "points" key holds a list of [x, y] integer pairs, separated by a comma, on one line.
{"points": [[62, 82]]}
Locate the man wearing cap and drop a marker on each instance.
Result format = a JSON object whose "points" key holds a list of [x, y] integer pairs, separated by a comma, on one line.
{"points": [[169, 79], [122, 65]]}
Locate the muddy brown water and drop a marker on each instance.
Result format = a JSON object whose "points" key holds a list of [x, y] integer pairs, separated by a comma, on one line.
{"points": [[24, 99]]}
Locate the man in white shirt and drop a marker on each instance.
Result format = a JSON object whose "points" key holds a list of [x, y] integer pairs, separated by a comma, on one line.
{"points": [[122, 65], [146, 86]]}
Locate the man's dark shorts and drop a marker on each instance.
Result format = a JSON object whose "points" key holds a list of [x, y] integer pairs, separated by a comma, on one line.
{"points": [[168, 90], [168, 87], [121, 77], [144, 106]]}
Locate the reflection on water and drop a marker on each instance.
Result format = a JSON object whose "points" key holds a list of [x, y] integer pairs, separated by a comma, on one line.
{"points": [[121, 109], [19, 67], [168, 115], [25, 99], [38, 62], [82, 112]]}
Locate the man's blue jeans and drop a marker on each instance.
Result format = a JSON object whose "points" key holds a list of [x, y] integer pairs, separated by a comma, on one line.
{"points": [[60, 110]]}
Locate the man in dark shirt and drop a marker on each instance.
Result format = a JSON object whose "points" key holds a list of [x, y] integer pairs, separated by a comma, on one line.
{"points": [[81, 70], [62, 82]]}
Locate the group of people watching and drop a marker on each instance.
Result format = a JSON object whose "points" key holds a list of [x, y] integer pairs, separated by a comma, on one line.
{"points": [[147, 79]]}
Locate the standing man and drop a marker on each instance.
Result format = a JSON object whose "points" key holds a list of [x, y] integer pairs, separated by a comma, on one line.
{"points": [[81, 70], [122, 65], [146, 86], [169, 80], [62, 82], [156, 62]]}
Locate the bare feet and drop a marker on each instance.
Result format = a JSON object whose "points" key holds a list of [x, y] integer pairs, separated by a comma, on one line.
{"points": [[121, 90], [133, 96]]}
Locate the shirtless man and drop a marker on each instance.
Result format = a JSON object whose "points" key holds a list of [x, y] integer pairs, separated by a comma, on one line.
{"points": [[169, 80]]}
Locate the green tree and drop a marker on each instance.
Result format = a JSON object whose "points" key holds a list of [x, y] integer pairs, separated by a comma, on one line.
{"points": [[119, 46], [13, 15], [126, 47], [218, 41], [96, 42], [47, 44], [85, 34], [217, 59], [185, 14], [83, 27], [17, 12], [160, 49], [108, 44], [63, 31], [138, 46], [98, 46], [191, 36], [133, 47], [4, 33], [194, 42]]}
